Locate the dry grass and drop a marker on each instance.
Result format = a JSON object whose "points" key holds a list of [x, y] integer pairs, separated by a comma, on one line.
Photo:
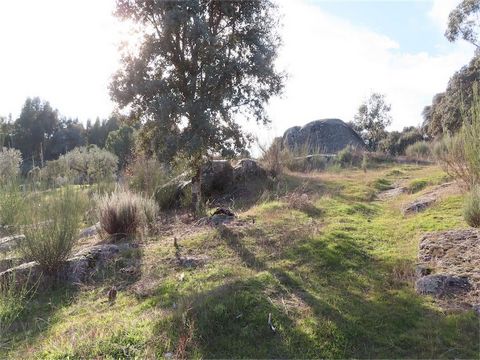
{"points": [[123, 213]]}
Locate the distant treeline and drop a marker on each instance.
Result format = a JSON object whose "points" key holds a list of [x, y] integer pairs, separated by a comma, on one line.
{"points": [[41, 134]]}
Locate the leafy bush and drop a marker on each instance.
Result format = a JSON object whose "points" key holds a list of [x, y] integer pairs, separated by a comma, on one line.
{"points": [[471, 210], [10, 161], [459, 154], [146, 175], [350, 156], [51, 228], [419, 150], [85, 164], [450, 153], [123, 213]]}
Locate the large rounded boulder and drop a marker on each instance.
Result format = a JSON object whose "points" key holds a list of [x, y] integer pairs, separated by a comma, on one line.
{"points": [[327, 136]]}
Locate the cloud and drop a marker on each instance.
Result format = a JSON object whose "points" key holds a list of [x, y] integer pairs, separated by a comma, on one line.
{"points": [[440, 11], [62, 51], [334, 64]]}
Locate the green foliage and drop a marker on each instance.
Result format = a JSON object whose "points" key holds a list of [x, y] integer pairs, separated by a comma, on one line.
{"points": [[458, 154], [348, 157], [451, 109], [123, 213], [121, 142], [146, 175], [417, 185], [463, 22], [419, 150], [10, 161], [12, 204], [372, 118], [395, 143], [51, 228], [85, 164], [97, 133], [471, 209], [231, 47], [13, 298], [382, 184]]}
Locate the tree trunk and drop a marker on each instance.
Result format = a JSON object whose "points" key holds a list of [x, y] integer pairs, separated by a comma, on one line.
{"points": [[197, 192]]}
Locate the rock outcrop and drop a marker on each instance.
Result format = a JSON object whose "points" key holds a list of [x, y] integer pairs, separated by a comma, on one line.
{"points": [[449, 266], [218, 176], [78, 269], [322, 136]]}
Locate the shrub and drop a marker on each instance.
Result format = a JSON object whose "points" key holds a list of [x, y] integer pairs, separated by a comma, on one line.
{"points": [[471, 210], [87, 165], [12, 204], [51, 228], [419, 150], [13, 297], [123, 213], [10, 161], [146, 175], [350, 156], [450, 153], [275, 158]]}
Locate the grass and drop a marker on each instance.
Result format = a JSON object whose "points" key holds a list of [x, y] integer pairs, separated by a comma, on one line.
{"points": [[335, 275]]}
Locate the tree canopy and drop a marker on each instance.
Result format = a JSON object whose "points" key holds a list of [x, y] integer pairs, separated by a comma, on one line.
{"points": [[450, 108], [372, 118], [201, 65], [463, 22]]}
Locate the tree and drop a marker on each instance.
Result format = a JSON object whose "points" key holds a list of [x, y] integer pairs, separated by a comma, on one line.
{"points": [[98, 133], [200, 66], [372, 118], [70, 135], [451, 108], [35, 127], [121, 142], [463, 22], [10, 161]]}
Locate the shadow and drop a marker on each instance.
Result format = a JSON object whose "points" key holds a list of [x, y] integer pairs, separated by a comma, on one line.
{"points": [[342, 308]]}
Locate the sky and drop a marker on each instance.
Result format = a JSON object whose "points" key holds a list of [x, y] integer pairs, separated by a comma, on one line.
{"points": [[335, 52]]}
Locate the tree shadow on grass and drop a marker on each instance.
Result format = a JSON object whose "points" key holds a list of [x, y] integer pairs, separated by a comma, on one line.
{"points": [[54, 294], [349, 310]]}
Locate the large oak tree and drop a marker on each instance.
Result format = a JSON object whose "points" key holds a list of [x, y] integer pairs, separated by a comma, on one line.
{"points": [[200, 65]]}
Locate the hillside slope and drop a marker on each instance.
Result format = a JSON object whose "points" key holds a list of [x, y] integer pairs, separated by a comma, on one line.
{"points": [[332, 264]]}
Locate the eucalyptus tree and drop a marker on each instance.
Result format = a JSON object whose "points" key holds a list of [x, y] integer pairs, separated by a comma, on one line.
{"points": [[463, 22], [372, 118], [199, 67]]}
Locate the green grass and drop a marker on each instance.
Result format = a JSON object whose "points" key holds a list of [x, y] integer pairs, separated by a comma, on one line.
{"points": [[337, 281]]}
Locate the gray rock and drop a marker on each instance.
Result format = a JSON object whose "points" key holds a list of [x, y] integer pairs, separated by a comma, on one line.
{"points": [[217, 175], [10, 242], [440, 285], [248, 169], [79, 268], [89, 231], [322, 136], [419, 205], [221, 219]]}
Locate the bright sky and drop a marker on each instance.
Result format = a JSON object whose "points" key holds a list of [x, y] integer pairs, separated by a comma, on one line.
{"points": [[336, 52]]}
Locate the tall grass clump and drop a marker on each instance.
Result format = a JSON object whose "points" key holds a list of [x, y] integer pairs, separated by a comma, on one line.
{"points": [[51, 228], [12, 205], [459, 154], [349, 156], [123, 213], [471, 209], [419, 150], [146, 175]]}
